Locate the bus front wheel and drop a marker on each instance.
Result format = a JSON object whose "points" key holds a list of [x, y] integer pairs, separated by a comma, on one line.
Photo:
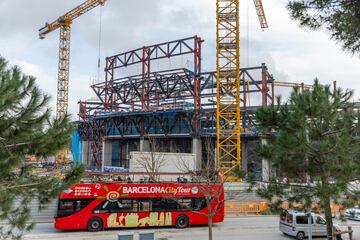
{"points": [[182, 221], [95, 225]]}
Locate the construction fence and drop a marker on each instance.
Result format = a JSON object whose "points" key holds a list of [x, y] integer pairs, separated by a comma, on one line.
{"points": [[237, 208]]}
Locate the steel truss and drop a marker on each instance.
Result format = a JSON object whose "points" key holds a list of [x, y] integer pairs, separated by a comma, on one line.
{"points": [[177, 102], [145, 56], [176, 85]]}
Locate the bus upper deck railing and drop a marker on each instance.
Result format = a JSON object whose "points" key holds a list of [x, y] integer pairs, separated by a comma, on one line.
{"points": [[146, 177]]}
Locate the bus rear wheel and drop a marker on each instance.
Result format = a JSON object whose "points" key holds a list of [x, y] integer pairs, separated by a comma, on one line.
{"points": [[95, 225], [182, 221]]}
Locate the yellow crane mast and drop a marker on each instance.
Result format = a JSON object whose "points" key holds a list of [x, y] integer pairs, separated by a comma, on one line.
{"points": [[228, 118], [64, 23]]}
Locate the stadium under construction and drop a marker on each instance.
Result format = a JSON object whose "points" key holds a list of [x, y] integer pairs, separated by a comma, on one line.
{"points": [[176, 107]]}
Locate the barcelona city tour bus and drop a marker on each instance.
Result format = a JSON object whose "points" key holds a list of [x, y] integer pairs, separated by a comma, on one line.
{"points": [[98, 206]]}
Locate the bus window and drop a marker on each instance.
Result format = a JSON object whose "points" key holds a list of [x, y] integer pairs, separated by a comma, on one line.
{"points": [[164, 205], [107, 207], [171, 205], [144, 205], [78, 206], [67, 207], [199, 204], [185, 204], [181, 204], [128, 205], [121, 205], [158, 205]]}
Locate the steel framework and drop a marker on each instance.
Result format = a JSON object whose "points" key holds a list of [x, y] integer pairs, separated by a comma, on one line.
{"points": [[145, 56], [170, 103], [176, 86]]}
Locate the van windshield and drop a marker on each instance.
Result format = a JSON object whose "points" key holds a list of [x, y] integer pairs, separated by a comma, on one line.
{"points": [[286, 217], [320, 220]]}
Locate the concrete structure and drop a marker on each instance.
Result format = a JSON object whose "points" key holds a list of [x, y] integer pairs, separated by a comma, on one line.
{"points": [[176, 107]]}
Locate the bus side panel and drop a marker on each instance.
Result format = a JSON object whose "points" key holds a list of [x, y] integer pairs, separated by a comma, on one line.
{"points": [[140, 219], [218, 205], [200, 218], [197, 218], [75, 221]]}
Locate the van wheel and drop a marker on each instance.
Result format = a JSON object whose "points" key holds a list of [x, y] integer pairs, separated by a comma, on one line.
{"points": [[95, 225], [300, 236], [182, 221]]}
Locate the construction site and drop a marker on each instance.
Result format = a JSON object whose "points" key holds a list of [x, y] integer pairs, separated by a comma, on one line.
{"points": [[208, 119], [177, 107], [174, 108]]}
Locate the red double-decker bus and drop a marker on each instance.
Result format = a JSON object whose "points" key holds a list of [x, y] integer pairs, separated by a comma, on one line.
{"points": [[98, 206]]}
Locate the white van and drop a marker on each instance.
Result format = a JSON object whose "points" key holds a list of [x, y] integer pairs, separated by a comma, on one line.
{"points": [[295, 223], [353, 214]]}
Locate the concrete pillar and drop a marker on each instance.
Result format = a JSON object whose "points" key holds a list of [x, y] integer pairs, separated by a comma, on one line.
{"points": [[106, 154], [173, 147], [265, 166], [85, 152], [144, 145], [244, 156], [197, 150]]}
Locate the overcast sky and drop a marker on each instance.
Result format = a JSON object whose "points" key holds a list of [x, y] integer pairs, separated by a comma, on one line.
{"points": [[291, 53]]}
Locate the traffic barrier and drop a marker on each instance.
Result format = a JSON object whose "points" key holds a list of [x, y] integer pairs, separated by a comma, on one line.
{"points": [[126, 236], [145, 235], [149, 235], [234, 208]]}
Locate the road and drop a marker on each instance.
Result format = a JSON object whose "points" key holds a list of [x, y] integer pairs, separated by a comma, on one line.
{"points": [[244, 228]]}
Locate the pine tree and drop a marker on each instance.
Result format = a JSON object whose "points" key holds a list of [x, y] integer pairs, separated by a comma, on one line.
{"points": [[312, 140], [340, 17], [26, 128]]}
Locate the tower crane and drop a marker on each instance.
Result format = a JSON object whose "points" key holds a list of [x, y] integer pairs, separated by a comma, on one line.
{"points": [[228, 117], [64, 23]]}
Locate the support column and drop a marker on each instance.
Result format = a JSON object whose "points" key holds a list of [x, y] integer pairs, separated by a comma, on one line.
{"points": [[265, 166], [244, 158], [106, 154], [173, 147], [264, 87], [144, 145], [85, 152], [197, 150]]}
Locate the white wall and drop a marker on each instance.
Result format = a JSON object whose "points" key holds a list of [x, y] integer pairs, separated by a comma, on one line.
{"points": [[171, 162]]}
